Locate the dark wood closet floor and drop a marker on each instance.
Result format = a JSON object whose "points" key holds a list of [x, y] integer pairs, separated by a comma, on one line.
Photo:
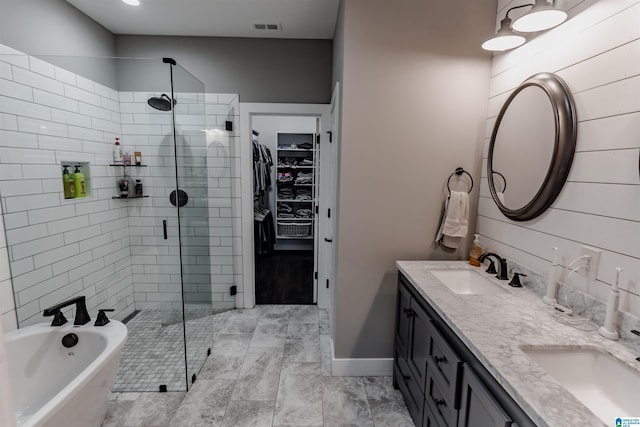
{"points": [[284, 277]]}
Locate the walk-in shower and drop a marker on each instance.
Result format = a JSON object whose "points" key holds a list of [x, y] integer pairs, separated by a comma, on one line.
{"points": [[164, 268]]}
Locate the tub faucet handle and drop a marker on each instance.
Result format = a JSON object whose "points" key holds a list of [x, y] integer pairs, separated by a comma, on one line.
{"points": [[58, 318], [102, 318]]}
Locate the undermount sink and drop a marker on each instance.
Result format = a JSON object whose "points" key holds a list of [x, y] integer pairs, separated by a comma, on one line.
{"points": [[601, 382], [466, 281]]}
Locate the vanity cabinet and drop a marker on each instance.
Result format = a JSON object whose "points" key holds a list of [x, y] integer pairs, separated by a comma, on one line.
{"points": [[442, 382], [411, 352], [477, 407]]}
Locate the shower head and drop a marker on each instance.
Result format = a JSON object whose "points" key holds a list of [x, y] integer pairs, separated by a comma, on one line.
{"points": [[162, 102]]}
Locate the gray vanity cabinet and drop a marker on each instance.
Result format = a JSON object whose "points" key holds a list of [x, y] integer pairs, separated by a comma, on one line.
{"points": [[442, 382], [478, 408], [411, 352]]}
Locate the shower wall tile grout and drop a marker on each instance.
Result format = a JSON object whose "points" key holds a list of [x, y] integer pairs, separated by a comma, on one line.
{"points": [[101, 247]]}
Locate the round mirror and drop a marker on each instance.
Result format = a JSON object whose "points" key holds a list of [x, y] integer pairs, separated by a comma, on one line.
{"points": [[532, 147]]}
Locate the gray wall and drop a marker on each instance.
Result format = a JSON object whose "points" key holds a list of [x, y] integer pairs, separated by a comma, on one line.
{"points": [[52, 27], [415, 85], [260, 70]]}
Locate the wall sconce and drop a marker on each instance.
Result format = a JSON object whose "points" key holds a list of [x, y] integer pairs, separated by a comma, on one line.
{"points": [[542, 16]]}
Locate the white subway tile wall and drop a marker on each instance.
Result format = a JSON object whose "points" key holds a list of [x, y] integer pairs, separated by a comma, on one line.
{"points": [[111, 250], [595, 52]]}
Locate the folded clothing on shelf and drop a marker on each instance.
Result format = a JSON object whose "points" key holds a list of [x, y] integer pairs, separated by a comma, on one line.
{"points": [[285, 193], [285, 177], [284, 208], [304, 178], [304, 213]]}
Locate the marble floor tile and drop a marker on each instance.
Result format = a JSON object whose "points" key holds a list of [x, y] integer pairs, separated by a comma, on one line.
{"points": [[276, 311], [238, 325], [232, 344], [303, 330], [325, 355], [323, 317], [118, 407], [304, 314], [345, 402], [278, 373], [258, 379], [204, 405], [301, 368], [221, 366], [299, 401], [247, 413], [386, 404], [302, 349], [269, 333], [153, 410]]}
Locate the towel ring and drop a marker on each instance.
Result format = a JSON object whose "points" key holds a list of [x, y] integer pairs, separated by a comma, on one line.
{"points": [[503, 180], [460, 171]]}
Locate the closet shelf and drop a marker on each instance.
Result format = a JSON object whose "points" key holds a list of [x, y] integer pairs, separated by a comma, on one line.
{"points": [[296, 164]]}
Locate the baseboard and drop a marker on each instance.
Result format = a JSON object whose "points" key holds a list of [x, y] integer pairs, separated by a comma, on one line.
{"points": [[360, 367]]}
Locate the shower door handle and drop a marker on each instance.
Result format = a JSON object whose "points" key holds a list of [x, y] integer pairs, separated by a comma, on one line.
{"points": [[164, 228]]}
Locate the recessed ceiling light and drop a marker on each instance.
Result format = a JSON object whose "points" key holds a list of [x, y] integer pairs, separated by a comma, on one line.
{"points": [[131, 2]]}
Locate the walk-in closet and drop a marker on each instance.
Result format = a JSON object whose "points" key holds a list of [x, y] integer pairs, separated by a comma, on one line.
{"points": [[285, 182]]}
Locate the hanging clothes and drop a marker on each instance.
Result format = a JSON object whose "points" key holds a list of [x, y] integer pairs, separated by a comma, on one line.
{"points": [[264, 230], [262, 163]]}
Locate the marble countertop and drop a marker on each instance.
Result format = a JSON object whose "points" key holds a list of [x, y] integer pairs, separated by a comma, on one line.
{"points": [[495, 327]]}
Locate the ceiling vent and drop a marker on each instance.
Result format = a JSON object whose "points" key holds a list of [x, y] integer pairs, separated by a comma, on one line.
{"points": [[271, 27]]}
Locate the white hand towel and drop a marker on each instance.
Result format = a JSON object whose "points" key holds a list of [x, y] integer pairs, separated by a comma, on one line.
{"points": [[456, 220]]}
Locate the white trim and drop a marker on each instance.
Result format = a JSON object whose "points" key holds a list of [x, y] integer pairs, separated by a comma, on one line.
{"points": [[360, 367]]}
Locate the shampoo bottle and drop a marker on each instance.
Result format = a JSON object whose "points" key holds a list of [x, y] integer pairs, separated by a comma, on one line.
{"points": [[117, 152], [67, 183], [475, 251], [79, 183]]}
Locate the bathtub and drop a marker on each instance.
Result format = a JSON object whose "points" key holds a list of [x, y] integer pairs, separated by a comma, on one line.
{"points": [[55, 386]]}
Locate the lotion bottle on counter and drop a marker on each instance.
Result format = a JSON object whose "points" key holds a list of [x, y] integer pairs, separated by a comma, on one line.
{"points": [[475, 251]]}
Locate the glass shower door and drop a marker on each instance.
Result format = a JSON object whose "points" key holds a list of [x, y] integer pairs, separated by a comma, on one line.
{"points": [[193, 202]]}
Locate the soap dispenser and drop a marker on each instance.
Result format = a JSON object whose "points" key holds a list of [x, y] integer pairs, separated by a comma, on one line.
{"points": [[80, 184], [67, 183], [475, 251]]}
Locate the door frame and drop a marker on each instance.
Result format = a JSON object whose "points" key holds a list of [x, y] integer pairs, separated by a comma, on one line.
{"points": [[246, 296]]}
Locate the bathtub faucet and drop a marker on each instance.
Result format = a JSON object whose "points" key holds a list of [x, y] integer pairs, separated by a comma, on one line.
{"points": [[82, 315]]}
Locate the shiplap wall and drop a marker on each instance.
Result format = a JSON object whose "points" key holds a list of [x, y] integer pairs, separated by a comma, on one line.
{"points": [[597, 52]]}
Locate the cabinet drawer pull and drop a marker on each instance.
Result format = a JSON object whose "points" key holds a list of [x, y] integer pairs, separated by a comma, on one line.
{"points": [[409, 312], [439, 359], [406, 377], [439, 402]]}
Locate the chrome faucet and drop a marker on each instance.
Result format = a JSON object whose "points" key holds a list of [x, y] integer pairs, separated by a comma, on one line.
{"points": [[502, 264], [82, 315]]}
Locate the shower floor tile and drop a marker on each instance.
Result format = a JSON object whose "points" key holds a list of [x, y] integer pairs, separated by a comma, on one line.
{"points": [[154, 353]]}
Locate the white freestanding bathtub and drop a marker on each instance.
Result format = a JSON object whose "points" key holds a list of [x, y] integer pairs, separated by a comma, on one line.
{"points": [[55, 386]]}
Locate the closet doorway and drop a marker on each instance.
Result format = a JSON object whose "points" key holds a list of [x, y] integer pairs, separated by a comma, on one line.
{"points": [[286, 190], [281, 197]]}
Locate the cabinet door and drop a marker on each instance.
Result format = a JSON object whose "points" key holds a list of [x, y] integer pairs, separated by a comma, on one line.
{"points": [[403, 320], [419, 343], [478, 408]]}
